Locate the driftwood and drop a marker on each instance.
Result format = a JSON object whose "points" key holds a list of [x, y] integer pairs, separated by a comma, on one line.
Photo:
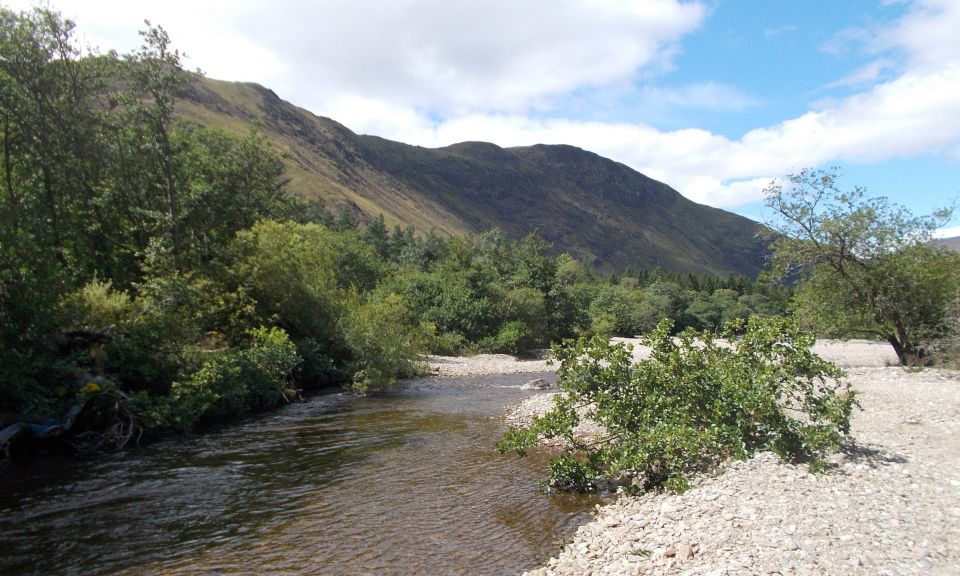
{"points": [[101, 424]]}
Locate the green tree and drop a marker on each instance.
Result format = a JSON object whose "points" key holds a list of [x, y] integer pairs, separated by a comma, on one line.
{"points": [[376, 235], [866, 266], [690, 405], [385, 340], [156, 77]]}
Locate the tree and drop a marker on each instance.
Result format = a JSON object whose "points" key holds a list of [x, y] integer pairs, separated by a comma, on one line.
{"points": [[866, 266], [692, 404], [156, 76], [377, 236]]}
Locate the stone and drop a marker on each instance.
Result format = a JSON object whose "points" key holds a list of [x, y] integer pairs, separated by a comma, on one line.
{"points": [[536, 384], [763, 516]]}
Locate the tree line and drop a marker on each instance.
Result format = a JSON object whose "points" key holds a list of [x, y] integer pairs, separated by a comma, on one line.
{"points": [[167, 262]]}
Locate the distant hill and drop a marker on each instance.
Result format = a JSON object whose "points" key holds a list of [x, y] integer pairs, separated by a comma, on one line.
{"points": [[952, 243], [599, 210]]}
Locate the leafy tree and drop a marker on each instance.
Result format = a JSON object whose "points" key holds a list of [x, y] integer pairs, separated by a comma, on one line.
{"points": [[690, 405], [227, 185], [866, 266], [377, 236], [156, 75], [385, 339], [301, 276]]}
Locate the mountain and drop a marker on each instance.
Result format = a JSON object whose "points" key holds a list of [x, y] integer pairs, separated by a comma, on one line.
{"points": [[601, 211], [953, 243]]}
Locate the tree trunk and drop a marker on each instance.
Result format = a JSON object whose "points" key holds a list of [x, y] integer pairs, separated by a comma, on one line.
{"points": [[898, 348], [8, 172]]}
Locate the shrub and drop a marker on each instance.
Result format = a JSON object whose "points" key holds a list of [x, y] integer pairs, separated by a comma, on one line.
{"points": [[514, 337], [97, 307], [386, 341], [229, 382], [693, 403]]}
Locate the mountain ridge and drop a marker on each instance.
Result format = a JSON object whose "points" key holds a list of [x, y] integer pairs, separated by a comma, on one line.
{"points": [[599, 210]]}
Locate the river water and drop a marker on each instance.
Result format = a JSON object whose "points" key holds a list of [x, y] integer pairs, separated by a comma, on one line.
{"points": [[406, 484]]}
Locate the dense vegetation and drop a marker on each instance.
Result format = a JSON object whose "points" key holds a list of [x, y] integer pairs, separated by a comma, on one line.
{"points": [[693, 403], [165, 265], [165, 262]]}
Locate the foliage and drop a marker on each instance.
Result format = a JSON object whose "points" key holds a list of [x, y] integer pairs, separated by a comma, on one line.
{"points": [[301, 277], [229, 382], [169, 260], [867, 268], [694, 402], [386, 340], [945, 347], [97, 307]]}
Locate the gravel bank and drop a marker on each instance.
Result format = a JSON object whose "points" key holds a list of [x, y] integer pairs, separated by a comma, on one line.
{"points": [[890, 504], [483, 364]]}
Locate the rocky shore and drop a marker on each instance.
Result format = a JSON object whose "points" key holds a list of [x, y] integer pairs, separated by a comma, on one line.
{"points": [[889, 504], [483, 364]]}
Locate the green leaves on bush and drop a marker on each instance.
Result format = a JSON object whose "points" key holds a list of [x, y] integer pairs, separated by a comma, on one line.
{"points": [[386, 340], [693, 403], [229, 382]]}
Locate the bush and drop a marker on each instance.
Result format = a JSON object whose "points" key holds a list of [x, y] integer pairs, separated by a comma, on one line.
{"points": [[692, 404], [513, 338], [301, 276], [386, 341], [97, 307], [228, 383]]}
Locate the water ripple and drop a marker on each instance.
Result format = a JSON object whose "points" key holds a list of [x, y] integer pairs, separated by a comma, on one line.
{"points": [[407, 484]]}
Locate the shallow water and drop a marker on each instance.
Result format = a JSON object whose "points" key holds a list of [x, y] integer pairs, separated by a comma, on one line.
{"points": [[407, 484]]}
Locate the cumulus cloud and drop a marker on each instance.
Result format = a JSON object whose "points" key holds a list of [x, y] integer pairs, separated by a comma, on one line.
{"points": [[904, 97], [435, 72], [453, 57], [950, 232]]}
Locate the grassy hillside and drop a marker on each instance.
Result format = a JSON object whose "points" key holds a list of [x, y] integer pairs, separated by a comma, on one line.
{"points": [[599, 210]]}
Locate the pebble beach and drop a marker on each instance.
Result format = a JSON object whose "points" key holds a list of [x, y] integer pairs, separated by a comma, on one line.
{"points": [[888, 504]]}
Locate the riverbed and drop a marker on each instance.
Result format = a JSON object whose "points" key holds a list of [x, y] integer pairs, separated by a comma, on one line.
{"points": [[404, 484]]}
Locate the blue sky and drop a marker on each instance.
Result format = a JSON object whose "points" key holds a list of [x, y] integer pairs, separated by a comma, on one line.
{"points": [[714, 97]]}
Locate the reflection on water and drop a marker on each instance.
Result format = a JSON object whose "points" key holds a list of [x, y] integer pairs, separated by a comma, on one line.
{"points": [[406, 484]]}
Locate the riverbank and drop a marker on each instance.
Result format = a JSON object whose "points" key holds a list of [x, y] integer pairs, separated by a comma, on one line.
{"points": [[480, 364], [887, 505]]}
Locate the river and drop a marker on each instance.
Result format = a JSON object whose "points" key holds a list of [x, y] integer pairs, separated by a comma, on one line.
{"points": [[403, 484]]}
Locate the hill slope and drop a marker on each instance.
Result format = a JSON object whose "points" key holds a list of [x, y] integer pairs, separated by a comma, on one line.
{"points": [[952, 243], [601, 211]]}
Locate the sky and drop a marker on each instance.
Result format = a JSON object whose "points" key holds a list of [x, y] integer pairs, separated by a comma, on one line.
{"points": [[716, 98]]}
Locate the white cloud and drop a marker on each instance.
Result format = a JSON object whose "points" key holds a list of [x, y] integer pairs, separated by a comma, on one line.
{"points": [[435, 72], [950, 232], [927, 33], [456, 57], [865, 75], [704, 96], [901, 117]]}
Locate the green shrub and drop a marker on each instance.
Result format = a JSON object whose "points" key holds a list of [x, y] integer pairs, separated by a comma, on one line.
{"points": [[691, 404], [386, 341], [514, 337], [97, 307], [228, 383], [267, 365], [446, 343]]}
